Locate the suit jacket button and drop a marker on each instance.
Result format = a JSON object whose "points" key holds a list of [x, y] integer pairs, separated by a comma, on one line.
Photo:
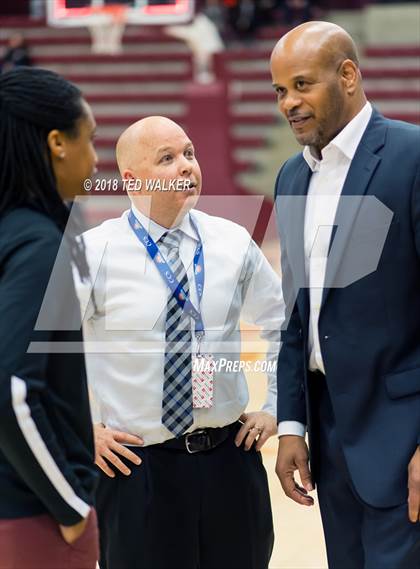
{"points": [[326, 337]]}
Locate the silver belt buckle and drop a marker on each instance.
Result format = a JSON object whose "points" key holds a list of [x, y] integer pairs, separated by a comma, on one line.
{"points": [[187, 440]]}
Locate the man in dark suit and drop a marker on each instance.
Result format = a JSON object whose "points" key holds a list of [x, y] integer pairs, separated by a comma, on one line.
{"points": [[349, 366]]}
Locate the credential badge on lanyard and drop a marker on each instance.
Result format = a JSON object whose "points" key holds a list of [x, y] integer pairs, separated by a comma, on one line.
{"points": [[202, 364]]}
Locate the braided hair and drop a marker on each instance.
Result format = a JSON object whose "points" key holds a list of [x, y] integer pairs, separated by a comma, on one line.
{"points": [[33, 102]]}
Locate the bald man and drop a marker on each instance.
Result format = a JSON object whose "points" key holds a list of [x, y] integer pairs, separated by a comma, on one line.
{"points": [[348, 209], [182, 481]]}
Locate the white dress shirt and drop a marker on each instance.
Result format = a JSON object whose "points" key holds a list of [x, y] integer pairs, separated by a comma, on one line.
{"points": [[325, 187], [125, 332]]}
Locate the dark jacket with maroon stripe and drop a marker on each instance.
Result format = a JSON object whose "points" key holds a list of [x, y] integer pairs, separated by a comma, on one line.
{"points": [[46, 442]]}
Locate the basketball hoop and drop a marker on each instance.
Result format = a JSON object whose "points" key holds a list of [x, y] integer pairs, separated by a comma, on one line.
{"points": [[107, 28]]}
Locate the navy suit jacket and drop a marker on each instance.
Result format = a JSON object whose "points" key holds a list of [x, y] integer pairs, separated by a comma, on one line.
{"points": [[369, 329]]}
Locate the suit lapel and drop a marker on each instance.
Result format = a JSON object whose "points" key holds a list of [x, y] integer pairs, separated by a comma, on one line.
{"points": [[291, 216], [361, 170]]}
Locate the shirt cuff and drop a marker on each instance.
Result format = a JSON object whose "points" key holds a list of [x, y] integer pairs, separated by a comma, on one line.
{"points": [[291, 428]]}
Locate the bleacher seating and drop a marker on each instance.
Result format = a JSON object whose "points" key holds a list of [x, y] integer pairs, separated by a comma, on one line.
{"points": [[151, 75]]}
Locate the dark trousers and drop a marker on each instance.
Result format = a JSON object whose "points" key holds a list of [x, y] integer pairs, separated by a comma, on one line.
{"points": [[357, 535], [209, 510], [36, 543]]}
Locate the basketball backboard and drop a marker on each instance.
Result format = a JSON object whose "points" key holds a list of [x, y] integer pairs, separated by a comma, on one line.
{"points": [[145, 12]]}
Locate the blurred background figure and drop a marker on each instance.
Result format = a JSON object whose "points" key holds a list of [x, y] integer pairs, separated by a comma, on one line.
{"points": [[203, 38], [37, 9], [243, 18], [246, 17], [298, 11], [215, 11], [16, 54]]}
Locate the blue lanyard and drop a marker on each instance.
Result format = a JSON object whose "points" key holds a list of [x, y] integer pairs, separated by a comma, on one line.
{"points": [[168, 276]]}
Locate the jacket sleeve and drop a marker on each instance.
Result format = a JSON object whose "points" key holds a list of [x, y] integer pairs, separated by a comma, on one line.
{"points": [[416, 222], [27, 438], [290, 365], [416, 209]]}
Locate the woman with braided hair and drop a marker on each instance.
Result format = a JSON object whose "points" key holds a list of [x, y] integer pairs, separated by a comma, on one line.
{"points": [[47, 475]]}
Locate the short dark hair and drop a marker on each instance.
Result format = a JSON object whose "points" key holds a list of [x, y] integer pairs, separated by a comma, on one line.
{"points": [[33, 102]]}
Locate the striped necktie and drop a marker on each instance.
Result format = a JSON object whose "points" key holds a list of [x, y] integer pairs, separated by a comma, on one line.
{"points": [[177, 410]]}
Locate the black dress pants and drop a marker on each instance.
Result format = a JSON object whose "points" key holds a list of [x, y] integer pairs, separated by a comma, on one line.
{"points": [[357, 535], [208, 510]]}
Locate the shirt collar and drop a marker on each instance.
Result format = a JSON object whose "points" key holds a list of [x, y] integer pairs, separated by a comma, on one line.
{"points": [[346, 141], [156, 231]]}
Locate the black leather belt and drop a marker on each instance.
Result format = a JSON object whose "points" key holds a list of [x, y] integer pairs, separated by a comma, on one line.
{"points": [[200, 440]]}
